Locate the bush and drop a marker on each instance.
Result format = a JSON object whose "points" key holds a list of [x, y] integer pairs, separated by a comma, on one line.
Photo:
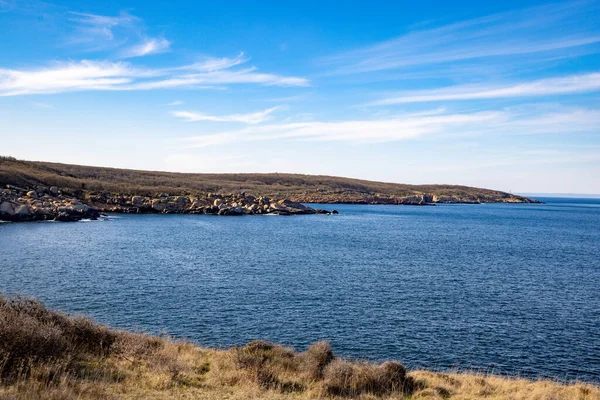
{"points": [[316, 358], [259, 353], [30, 334], [344, 378]]}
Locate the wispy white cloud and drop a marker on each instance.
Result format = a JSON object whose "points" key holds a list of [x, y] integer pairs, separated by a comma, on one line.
{"points": [[249, 118], [104, 75], [209, 64], [99, 32], [64, 77], [541, 87], [125, 32], [175, 103], [147, 47], [554, 29], [408, 126]]}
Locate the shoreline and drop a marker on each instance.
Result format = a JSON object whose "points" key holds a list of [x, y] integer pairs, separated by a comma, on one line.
{"points": [[41, 203]]}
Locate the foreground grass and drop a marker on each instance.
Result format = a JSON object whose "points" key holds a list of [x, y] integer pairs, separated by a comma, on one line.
{"points": [[49, 355]]}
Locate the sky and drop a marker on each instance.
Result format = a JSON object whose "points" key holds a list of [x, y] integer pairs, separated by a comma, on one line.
{"points": [[502, 95]]}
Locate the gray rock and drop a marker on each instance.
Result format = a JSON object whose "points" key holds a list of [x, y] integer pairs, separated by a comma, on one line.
{"points": [[237, 210], [7, 208], [137, 201], [158, 205]]}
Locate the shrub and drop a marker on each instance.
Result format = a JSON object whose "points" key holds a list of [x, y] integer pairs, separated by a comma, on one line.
{"points": [[24, 340], [393, 376], [316, 358], [30, 333], [344, 378], [259, 353]]}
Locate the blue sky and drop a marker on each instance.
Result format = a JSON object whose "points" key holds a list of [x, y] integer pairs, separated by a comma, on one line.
{"points": [[503, 95]]}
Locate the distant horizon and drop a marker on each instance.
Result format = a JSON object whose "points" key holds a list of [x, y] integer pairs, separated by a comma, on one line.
{"points": [[504, 95], [562, 195]]}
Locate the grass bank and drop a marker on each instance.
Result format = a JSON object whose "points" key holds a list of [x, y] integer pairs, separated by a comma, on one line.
{"points": [[82, 180], [46, 354]]}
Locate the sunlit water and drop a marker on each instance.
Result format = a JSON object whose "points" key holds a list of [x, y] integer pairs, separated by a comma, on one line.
{"points": [[509, 289]]}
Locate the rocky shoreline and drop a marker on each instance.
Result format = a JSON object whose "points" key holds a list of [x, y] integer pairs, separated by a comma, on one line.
{"points": [[45, 203], [411, 200], [51, 204], [210, 203]]}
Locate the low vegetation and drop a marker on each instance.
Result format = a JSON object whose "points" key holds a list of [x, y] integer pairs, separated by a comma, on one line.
{"points": [[49, 355], [79, 180]]}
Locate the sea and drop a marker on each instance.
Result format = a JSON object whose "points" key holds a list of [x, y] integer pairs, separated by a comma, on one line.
{"points": [[510, 289]]}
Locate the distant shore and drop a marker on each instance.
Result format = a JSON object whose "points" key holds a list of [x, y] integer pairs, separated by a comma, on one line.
{"points": [[34, 191]]}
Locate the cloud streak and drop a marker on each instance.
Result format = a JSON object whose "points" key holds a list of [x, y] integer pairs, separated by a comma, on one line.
{"points": [[89, 75], [541, 87], [147, 47], [554, 29], [98, 32], [413, 126], [249, 118], [102, 32]]}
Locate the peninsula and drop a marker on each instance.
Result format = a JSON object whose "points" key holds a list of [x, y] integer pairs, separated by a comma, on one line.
{"points": [[42, 190]]}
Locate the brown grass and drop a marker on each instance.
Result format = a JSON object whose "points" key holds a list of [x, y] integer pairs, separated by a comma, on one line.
{"points": [[49, 355], [81, 180], [30, 335]]}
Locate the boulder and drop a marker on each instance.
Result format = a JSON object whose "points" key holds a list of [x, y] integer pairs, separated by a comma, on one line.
{"points": [[67, 217], [31, 193], [158, 205], [137, 201], [415, 200], [54, 191], [182, 201], [7, 208], [13, 211], [236, 210]]}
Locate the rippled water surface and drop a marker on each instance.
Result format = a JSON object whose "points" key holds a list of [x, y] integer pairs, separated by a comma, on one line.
{"points": [[505, 288]]}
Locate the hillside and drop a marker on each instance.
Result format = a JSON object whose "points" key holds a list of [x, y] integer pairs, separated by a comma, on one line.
{"points": [[77, 179], [50, 355]]}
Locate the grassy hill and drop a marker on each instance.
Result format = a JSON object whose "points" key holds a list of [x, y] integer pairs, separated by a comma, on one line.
{"points": [[49, 355], [296, 187]]}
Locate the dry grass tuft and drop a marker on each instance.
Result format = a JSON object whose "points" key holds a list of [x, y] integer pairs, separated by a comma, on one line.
{"points": [[345, 378], [316, 358]]}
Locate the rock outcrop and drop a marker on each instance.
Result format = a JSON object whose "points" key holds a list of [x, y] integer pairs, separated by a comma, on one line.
{"points": [[218, 204], [42, 204], [19, 204]]}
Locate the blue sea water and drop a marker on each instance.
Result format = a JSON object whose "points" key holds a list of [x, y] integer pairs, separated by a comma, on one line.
{"points": [[503, 288]]}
